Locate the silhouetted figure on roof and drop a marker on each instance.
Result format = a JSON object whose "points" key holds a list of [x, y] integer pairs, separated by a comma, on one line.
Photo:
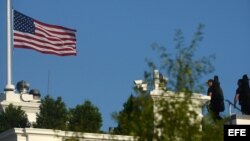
{"points": [[238, 93], [244, 96], [210, 89], [217, 99]]}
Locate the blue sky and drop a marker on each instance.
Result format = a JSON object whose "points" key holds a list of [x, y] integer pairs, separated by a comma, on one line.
{"points": [[114, 39]]}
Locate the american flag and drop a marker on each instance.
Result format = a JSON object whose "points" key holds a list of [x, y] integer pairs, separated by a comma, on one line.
{"points": [[45, 38]]}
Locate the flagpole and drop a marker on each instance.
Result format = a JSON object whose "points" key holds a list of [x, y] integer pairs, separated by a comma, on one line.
{"points": [[9, 86]]}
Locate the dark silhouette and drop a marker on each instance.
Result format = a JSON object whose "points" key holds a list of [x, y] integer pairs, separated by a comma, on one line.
{"points": [[217, 99], [210, 89], [238, 93], [244, 95]]}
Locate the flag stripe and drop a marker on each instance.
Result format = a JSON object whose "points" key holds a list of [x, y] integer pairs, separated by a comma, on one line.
{"points": [[44, 47], [45, 51], [56, 27], [41, 39], [50, 34], [54, 32], [38, 44], [45, 38], [52, 38]]}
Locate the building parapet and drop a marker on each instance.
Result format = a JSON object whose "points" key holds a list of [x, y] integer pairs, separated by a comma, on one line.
{"points": [[37, 134]]}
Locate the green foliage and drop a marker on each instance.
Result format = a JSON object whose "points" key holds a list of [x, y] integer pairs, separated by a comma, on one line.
{"points": [[13, 117], [85, 118], [131, 120], [168, 120], [213, 130], [129, 112], [53, 114], [185, 68], [177, 120]]}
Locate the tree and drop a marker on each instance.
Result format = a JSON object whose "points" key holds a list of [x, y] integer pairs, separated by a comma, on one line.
{"points": [[129, 112], [53, 114], [185, 69], [13, 117], [85, 118], [136, 118], [177, 122]]}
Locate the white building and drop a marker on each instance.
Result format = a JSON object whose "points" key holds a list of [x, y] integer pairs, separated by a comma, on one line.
{"points": [[237, 119], [30, 102], [35, 134]]}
